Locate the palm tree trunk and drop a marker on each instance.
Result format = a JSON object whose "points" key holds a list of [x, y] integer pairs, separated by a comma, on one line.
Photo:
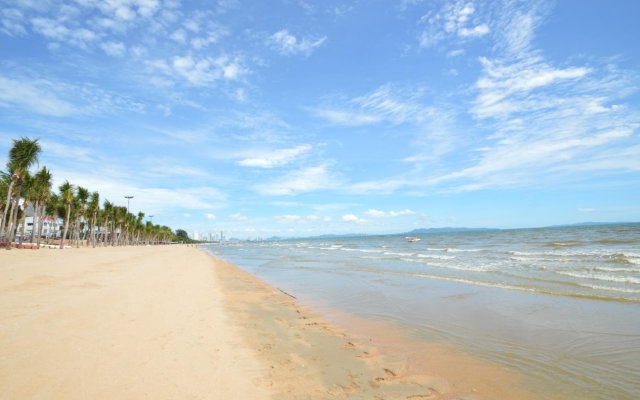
{"points": [[66, 226], [3, 223], [14, 216], [7, 227], [92, 234], [35, 224], [40, 224], [24, 219], [76, 232]]}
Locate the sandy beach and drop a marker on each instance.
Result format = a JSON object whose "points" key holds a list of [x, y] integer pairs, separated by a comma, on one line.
{"points": [[173, 322]]}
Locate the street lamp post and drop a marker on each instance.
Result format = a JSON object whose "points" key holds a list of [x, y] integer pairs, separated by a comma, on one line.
{"points": [[128, 198]]}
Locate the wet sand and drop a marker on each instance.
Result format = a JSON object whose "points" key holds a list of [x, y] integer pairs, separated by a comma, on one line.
{"points": [[173, 322]]}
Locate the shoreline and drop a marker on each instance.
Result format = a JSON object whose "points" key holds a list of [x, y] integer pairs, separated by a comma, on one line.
{"points": [[375, 360], [174, 321]]}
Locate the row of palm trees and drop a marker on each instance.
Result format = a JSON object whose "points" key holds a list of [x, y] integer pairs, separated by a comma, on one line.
{"points": [[84, 221]]}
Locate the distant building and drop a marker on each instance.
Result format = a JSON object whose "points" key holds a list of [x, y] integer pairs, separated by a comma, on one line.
{"points": [[50, 225]]}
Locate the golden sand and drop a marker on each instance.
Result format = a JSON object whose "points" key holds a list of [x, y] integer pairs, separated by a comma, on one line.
{"points": [[174, 323]]}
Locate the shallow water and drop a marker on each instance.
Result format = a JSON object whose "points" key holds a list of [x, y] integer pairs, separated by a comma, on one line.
{"points": [[562, 305]]}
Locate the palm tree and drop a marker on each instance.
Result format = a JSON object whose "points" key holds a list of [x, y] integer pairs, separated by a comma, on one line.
{"points": [[82, 195], [51, 208], [119, 215], [6, 184], [28, 195], [139, 226], [93, 208], [107, 215], [41, 194], [66, 196], [22, 156]]}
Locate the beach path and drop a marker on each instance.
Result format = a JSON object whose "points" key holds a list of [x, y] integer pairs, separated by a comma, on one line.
{"points": [[119, 323]]}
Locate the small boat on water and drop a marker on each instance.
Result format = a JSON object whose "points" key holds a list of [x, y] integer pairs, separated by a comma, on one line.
{"points": [[411, 239]]}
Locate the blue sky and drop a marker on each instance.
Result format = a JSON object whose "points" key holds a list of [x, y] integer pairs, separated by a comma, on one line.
{"points": [[296, 117]]}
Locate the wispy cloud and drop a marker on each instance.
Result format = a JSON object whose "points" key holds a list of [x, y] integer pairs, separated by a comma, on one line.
{"points": [[546, 122], [429, 124], [455, 20], [12, 22], [386, 103], [274, 158], [346, 118], [151, 199], [37, 96], [287, 43], [238, 217], [65, 151], [381, 214], [114, 49], [27, 90], [506, 87], [199, 71], [302, 181], [352, 218]]}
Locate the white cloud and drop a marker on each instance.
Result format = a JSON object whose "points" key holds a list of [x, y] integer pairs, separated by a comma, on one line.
{"points": [[380, 214], [433, 129], [200, 71], [302, 181], [386, 103], [454, 20], [237, 217], [347, 118], [274, 158], [61, 150], [455, 53], [210, 216], [299, 219], [159, 201], [167, 167], [50, 28], [179, 36], [477, 31], [12, 22], [506, 88], [354, 218], [376, 213], [287, 219], [287, 44], [38, 96], [586, 209], [114, 49]]}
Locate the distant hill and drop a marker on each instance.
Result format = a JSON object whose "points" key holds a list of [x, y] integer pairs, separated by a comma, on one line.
{"points": [[593, 224], [421, 231]]}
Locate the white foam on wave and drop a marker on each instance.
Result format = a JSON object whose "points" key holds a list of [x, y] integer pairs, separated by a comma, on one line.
{"points": [[616, 269], [391, 253], [454, 250], [435, 256], [609, 288], [478, 283], [610, 278], [360, 250], [456, 267]]}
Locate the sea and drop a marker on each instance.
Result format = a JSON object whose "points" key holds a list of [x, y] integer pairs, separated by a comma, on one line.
{"points": [[561, 305]]}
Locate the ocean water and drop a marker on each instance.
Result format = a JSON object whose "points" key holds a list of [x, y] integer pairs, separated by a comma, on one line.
{"points": [[561, 305]]}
